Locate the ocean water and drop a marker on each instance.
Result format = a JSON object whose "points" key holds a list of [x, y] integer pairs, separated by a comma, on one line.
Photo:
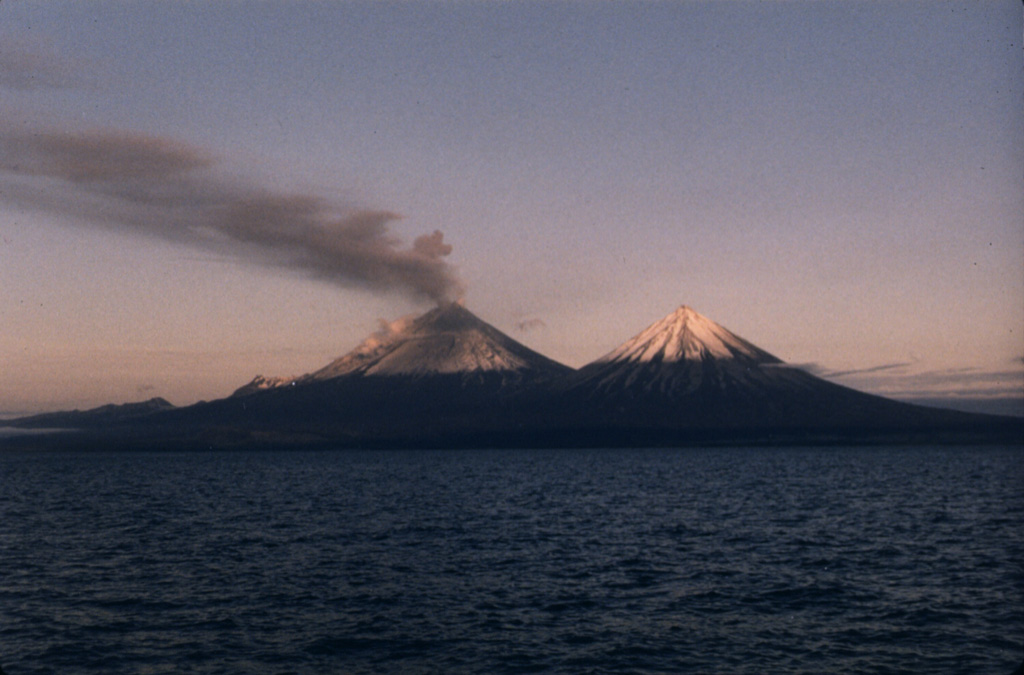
{"points": [[754, 560]]}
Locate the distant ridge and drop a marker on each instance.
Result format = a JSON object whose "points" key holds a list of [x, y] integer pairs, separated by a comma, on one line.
{"points": [[102, 416]]}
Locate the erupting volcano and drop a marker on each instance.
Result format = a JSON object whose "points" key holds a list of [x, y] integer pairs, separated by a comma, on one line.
{"points": [[449, 379]]}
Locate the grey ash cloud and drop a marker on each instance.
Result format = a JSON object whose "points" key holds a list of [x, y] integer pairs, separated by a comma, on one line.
{"points": [[115, 160], [167, 189]]}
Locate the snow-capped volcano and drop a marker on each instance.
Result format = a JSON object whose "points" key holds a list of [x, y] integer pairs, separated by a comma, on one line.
{"points": [[448, 379], [688, 372], [680, 354], [444, 372], [446, 340], [686, 335]]}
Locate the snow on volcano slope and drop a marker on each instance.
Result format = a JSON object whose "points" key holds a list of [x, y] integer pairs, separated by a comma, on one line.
{"points": [[262, 383], [683, 353], [686, 335], [447, 340], [688, 372]]}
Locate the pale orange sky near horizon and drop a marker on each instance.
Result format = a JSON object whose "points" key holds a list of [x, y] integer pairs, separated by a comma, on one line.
{"points": [[841, 183]]}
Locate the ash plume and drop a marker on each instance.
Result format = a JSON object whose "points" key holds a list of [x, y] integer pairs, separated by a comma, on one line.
{"points": [[163, 188]]}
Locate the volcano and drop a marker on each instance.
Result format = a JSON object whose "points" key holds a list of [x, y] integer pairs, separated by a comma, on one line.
{"points": [[446, 374], [449, 379], [683, 354], [448, 342], [688, 375], [445, 341]]}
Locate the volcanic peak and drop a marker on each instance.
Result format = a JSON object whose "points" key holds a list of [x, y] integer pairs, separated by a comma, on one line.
{"points": [[686, 335], [448, 339]]}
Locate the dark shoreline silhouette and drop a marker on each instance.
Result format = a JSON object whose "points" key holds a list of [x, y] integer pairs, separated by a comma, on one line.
{"points": [[450, 380]]}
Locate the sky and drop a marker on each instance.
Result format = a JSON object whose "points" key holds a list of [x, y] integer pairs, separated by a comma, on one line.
{"points": [[192, 194]]}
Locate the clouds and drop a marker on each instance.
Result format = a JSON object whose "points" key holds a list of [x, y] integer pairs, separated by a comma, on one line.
{"points": [[966, 382], [822, 371], [901, 381], [160, 187], [997, 390], [98, 158], [164, 188]]}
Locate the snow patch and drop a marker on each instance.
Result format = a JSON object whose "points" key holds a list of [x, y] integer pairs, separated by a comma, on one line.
{"points": [[261, 383]]}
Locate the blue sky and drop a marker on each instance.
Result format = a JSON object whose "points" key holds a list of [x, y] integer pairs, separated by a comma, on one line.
{"points": [[842, 183]]}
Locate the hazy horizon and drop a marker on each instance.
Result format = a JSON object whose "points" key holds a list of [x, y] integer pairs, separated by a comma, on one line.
{"points": [[194, 194]]}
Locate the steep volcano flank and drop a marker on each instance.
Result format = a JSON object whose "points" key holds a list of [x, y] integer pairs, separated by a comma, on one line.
{"points": [[688, 372], [448, 340]]}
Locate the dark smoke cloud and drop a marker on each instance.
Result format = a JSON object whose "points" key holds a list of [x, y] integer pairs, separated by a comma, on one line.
{"points": [[98, 158], [162, 188]]}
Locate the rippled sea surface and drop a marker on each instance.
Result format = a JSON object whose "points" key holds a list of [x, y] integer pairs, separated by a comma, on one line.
{"points": [[852, 560]]}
